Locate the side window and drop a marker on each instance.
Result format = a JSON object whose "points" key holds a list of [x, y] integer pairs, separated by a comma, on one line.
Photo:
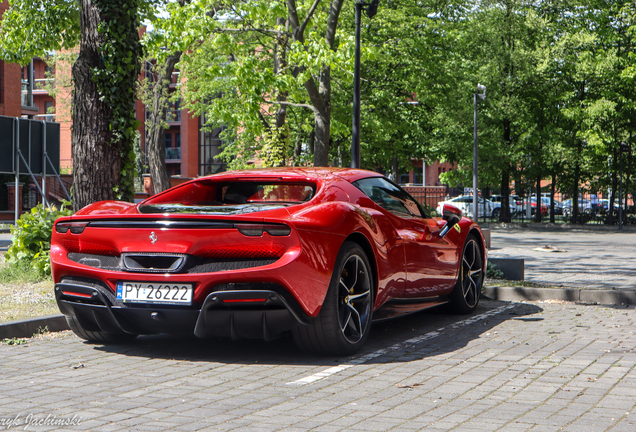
{"points": [[389, 196]]}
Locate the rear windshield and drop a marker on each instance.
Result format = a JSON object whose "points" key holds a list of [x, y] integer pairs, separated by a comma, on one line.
{"points": [[235, 197]]}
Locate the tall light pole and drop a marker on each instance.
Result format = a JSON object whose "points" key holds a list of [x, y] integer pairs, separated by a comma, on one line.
{"points": [[482, 95], [371, 9]]}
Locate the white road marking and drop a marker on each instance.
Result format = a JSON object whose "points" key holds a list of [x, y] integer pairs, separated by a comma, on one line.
{"points": [[365, 358]]}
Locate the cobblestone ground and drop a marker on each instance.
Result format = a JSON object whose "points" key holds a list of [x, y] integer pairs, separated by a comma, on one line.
{"points": [[508, 367]]}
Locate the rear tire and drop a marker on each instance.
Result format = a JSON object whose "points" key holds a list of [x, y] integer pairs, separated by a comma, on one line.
{"points": [[344, 321], [97, 336], [465, 296], [496, 213]]}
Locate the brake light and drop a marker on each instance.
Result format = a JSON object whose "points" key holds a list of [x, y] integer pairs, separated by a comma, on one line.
{"points": [[76, 294], [258, 300], [75, 227]]}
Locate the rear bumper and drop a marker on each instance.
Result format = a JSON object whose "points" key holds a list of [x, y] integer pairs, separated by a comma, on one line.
{"points": [[236, 313]]}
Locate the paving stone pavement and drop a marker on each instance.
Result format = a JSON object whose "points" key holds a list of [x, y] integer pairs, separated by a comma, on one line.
{"points": [[508, 367], [587, 259]]}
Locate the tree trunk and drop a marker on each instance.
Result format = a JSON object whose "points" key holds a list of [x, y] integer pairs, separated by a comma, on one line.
{"points": [[552, 191], [157, 122], [611, 220], [539, 201], [504, 215], [96, 161], [575, 184], [319, 94], [321, 143]]}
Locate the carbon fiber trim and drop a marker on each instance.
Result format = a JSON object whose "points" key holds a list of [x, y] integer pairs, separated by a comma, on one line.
{"points": [[218, 266], [191, 264], [105, 262]]}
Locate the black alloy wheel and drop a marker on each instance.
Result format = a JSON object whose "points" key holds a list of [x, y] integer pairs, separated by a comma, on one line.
{"points": [[465, 295], [344, 320]]}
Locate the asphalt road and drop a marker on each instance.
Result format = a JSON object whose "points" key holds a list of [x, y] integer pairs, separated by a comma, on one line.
{"points": [[508, 367]]}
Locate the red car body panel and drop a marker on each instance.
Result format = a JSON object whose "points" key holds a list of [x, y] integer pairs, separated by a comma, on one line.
{"points": [[408, 257]]}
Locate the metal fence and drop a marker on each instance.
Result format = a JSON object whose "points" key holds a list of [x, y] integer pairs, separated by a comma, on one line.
{"points": [[592, 208]]}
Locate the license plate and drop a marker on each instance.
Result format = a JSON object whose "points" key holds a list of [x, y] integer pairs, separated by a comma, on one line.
{"points": [[141, 292]]}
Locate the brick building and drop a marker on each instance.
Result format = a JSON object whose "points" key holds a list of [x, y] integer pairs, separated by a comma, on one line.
{"points": [[190, 152]]}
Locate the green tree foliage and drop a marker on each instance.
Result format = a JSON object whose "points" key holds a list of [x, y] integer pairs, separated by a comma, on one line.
{"points": [[105, 77], [263, 64]]}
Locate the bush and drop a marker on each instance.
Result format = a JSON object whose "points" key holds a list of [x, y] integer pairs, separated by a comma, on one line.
{"points": [[492, 272], [31, 242]]}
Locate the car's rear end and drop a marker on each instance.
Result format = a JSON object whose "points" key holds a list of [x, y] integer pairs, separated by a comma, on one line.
{"points": [[210, 258]]}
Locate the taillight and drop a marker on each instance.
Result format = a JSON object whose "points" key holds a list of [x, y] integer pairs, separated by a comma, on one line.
{"points": [[75, 227], [256, 230], [88, 248]]}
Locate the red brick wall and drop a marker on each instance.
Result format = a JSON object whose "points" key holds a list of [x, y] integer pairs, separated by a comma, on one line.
{"points": [[10, 86], [189, 145]]}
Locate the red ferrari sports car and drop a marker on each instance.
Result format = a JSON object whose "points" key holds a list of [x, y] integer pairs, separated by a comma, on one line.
{"points": [[318, 252]]}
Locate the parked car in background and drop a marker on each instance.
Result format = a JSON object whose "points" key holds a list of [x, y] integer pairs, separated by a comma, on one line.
{"points": [[584, 206], [465, 204], [545, 200], [516, 205], [545, 209], [605, 204]]}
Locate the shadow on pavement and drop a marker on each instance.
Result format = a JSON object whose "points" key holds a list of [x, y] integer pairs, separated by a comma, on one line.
{"points": [[453, 335]]}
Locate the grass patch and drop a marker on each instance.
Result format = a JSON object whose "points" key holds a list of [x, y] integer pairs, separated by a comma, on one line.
{"points": [[23, 294], [522, 284]]}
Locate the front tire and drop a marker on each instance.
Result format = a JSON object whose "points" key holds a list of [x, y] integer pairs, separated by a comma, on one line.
{"points": [[496, 213], [97, 336], [465, 296], [344, 321]]}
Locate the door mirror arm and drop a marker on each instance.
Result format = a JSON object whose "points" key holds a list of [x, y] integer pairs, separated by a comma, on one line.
{"points": [[452, 215]]}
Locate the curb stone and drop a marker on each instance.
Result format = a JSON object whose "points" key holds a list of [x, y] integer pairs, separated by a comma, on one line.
{"points": [[28, 327], [603, 297], [55, 323]]}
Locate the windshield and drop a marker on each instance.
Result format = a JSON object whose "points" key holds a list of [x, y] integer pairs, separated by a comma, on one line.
{"points": [[234, 197]]}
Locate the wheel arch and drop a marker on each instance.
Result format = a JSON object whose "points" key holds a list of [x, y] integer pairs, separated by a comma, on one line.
{"points": [[482, 245], [362, 241]]}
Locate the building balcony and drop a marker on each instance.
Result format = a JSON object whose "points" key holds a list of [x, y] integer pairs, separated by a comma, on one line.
{"points": [[173, 154]]}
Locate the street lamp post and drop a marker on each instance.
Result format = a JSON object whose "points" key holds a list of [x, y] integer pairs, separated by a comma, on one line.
{"points": [[482, 95], [371, 9]]}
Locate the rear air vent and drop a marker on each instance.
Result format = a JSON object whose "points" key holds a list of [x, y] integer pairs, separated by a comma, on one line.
{"points": [[153, 263]]}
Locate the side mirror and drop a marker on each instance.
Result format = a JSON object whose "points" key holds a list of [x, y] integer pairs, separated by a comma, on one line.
{"points": [[452, 215]]}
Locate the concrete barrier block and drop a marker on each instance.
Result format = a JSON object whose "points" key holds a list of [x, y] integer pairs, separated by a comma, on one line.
{"points": [[486, 233], [512, 268]]}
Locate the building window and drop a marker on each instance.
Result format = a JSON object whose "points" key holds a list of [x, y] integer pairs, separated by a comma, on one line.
{"points": [[49, 109], [173, 153], [209, 150], [174, 113]]}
